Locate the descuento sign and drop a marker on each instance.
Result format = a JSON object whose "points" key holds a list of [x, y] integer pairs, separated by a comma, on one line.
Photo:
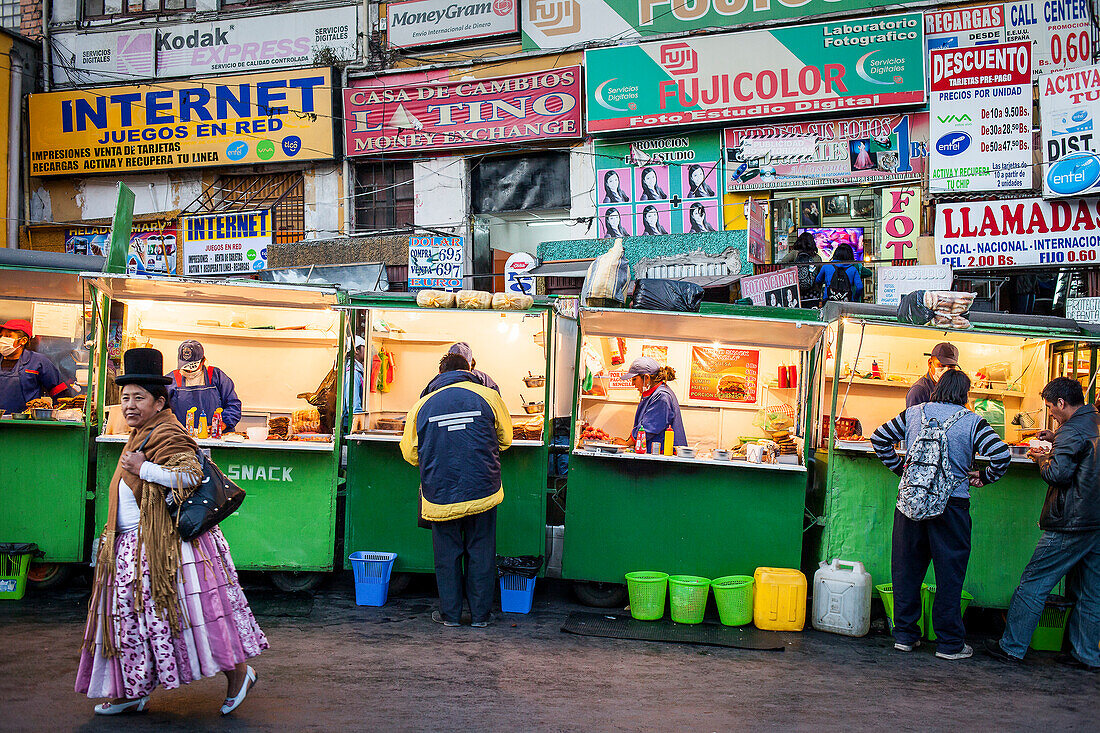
{"points": [[256, 118], [845, 65]]}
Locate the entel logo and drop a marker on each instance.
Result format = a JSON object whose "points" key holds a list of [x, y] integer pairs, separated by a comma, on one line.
{"points": [[1073, 174], [953, 143], [679, 59], [246, 472]]}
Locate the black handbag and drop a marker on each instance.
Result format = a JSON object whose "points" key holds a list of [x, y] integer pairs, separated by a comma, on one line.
{"points": [[215, 498]]}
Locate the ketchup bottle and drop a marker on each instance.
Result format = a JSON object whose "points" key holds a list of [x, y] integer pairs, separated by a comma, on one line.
{"points": [[640, 442]]}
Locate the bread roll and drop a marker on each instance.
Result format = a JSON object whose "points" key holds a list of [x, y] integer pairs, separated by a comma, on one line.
{"points": [[435, 299], [475, 299], [512, 301]]}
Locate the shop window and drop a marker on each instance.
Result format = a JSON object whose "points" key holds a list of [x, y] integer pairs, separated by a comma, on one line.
{"points": [[283, 193], [533, 182], [10, 15], [109, 8], [383, 196]]}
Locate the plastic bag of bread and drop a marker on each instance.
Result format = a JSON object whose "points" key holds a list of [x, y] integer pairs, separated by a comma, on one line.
{"points": [[512, 301], [474, 299], [435, 299], [306, 421]]}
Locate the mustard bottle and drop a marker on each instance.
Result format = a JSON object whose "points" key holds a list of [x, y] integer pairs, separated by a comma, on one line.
{"points": [[667, 445]]}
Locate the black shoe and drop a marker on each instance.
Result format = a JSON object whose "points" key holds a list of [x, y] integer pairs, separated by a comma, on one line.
{"points": [[993, 649], [438, 618], [1071, 661]]}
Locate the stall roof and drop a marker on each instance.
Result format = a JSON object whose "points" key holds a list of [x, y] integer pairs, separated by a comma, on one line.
{"points": [[58, 261], [248, 292], [741, 330], [362, 277], [1006, 324], [561, 268], [55, 286]]}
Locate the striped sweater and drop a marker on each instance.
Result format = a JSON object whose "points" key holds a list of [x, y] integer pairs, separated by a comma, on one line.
{"points": [[971, 435]]}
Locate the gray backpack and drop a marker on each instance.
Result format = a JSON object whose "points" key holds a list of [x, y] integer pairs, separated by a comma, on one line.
{"points": [[926, 482]]}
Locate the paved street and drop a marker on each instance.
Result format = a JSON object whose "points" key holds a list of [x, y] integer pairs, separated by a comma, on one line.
{"points": [[335, 666]]}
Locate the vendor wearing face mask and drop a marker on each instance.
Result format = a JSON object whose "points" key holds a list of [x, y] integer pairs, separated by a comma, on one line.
{"points": [[944, 356], [194, 384], [25, 375]]}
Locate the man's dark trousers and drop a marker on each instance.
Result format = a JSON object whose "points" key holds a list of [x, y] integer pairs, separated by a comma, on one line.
{"points": [[466, 558], [945, 540]]}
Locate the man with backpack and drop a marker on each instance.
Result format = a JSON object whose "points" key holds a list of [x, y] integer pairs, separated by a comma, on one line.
{"points": [[932, 518], [1070, 544], [841, 279]]}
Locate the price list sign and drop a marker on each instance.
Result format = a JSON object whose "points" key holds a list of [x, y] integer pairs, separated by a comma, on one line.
{"points": [[980, 126], [436, 262]]}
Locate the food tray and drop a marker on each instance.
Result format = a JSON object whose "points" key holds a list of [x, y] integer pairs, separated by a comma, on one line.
{"points": [[313, 437], [533, 408], [601, 447], [852, 443], [395, 423], [534, 381]]}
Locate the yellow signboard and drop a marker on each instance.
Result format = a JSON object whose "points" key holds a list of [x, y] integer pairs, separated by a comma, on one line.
{"points": [[254, 118]]}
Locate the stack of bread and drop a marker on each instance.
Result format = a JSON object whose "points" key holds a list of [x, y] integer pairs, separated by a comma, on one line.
{"points": [[278, 428]]}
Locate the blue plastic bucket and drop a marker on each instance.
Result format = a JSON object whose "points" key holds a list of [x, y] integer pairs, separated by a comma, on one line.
{"points": [[517, 593], [372, 576]]}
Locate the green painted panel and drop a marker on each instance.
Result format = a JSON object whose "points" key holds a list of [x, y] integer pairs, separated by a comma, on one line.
{"points": [[700, 519], [859, 509], [287, 521], [43, 489], [382, 505]]}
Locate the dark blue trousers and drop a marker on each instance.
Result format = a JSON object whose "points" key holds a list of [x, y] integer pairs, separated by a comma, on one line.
{"points": [[466, 559], [945, 541]]}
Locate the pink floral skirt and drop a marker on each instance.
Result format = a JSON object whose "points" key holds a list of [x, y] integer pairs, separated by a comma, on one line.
{"points": [[220, 631]]}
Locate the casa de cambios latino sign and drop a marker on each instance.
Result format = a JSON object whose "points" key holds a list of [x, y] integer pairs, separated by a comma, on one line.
{"points": [[535, 106], [549, 24], [851, 65], [273, 117], [428, 22]]}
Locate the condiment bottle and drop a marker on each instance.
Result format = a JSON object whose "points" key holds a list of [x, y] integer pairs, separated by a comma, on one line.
{"points": [[640, 441], [191, 421], [667, 445], [216, 424], [204, 426]]}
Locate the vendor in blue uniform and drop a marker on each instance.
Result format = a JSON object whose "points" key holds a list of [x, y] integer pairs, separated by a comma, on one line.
{"points": [[25, 375], [658, 409], [194, 384]]}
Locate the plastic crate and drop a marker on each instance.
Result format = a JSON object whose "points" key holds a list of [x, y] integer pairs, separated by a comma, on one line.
{"points": [[15, 561], [1052, 625], [517, 593], [372, 576]]}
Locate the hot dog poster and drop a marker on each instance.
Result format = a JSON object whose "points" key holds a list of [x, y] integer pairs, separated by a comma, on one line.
{"points": [[723, 374]]}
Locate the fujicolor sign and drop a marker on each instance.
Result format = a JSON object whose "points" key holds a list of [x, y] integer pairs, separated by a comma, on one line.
{"points": [[541, 105], [259, 118], [807, 69], [426, 22]]}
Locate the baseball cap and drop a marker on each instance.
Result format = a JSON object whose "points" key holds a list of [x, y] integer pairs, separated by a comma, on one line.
{"points": [[359, 341], [643, 365], [946, 354], [463, 349], [190, 352], [17, 324]]}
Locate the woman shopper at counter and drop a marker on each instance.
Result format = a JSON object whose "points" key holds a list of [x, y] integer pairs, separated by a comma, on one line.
{"points": [[162, 611], [932, 518], [658, 409], [25, 375]]}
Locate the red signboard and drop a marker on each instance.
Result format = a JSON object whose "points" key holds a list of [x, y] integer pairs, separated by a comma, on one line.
{"points": [[383, 117], [723, 374]]}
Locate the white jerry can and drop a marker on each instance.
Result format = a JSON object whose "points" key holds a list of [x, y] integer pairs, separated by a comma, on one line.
{"points": [[842, 598]]}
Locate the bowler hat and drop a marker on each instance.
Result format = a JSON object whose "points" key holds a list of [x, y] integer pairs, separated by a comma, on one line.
{"points": [[142, 366]]}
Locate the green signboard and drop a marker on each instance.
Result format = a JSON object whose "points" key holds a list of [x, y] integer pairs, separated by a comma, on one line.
{"points": [[849, 65], [549, 24]]}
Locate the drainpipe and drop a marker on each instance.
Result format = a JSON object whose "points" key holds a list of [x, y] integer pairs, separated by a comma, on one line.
{"points": [[15, 149], [47, 55]]}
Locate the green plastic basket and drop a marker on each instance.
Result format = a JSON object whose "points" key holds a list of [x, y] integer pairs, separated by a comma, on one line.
{"points": [[886, 593], [688, 598], [13, 576], [647, 594], [1052, 625], [733, 596], [928, 595]]}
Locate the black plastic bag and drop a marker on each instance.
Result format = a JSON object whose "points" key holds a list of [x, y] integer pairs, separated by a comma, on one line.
{"points": [[526, 566], [667, 295], [912, 310]]}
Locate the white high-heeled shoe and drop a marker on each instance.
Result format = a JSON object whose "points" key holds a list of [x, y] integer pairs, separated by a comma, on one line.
{"points": [[232, 703], [109, 708]]}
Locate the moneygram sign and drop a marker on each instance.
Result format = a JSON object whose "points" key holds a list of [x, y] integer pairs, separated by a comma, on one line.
{"points": [[808, 69], [275, 117], [427, 22]]}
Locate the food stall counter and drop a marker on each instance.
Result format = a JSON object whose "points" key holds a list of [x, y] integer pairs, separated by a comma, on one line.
{"points": [[280, 445], [737, 463], [390, 438]]}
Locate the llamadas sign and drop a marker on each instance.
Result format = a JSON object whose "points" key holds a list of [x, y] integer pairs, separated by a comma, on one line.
{"points": [[256, 118]]}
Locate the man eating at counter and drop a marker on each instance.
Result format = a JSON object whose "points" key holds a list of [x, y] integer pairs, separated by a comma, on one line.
{"points": [[206, 388], [944, 356], [25, 375], [463, 349]]}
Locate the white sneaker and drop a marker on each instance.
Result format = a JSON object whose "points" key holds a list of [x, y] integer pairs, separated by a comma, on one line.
{"points": [[965, 653], [906, 647]]}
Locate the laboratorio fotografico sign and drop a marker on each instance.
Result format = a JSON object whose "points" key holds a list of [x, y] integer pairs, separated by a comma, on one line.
{"points": [[1018, 233], [827, 67], [385, 115]]}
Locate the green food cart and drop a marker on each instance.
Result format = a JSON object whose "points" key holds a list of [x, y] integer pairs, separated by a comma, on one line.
{"points": [[277, 343], [692, 515], [404, 344], [872, 361], [44, 462]]}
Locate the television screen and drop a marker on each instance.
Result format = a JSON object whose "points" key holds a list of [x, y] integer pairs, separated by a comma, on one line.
{"points": [[828, 238]]}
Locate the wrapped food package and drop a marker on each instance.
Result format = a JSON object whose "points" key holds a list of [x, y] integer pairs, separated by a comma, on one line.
{"points": [[527, 429], [306, 421], [512, 302], [435, 299], [278, 428], [474, 299]]}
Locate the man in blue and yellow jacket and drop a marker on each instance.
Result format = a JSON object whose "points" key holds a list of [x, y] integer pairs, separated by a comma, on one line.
{"points": [[455, 434]]}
